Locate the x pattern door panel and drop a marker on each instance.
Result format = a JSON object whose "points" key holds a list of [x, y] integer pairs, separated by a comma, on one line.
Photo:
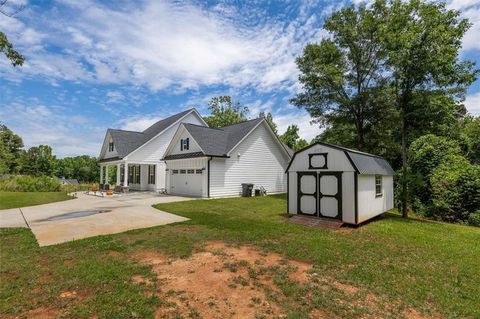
{"points": [[320, 194]]}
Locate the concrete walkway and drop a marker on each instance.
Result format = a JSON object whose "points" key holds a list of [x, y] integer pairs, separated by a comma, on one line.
{"points": [[88, 216]]}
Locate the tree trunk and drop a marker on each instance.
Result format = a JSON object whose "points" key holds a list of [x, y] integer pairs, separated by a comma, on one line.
{"points": [[404, 172]]}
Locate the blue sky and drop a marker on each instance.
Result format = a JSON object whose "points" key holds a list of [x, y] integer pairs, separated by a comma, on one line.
{"points": [[91, 65]]}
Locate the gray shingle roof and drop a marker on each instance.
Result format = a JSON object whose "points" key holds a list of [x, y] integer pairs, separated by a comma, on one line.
{"points": [[220, 141], [363, 163], [128, 141]]}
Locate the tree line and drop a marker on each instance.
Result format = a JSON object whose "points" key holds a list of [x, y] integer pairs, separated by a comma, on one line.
{"points": [[40, 161]]}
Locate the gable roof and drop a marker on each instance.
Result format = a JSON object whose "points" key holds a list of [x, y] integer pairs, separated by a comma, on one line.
{"points": [[363, 163], [220, 141], [128, 141]]}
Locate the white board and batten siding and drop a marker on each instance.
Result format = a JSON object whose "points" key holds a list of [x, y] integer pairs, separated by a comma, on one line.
{"points": [[370, 205], [336, 162], [258, 160], [188, 184], [154, 150], [106, 150]]}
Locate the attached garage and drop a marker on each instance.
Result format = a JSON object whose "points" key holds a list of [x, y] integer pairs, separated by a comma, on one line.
{"points": [[188, 182], [329, 181]]}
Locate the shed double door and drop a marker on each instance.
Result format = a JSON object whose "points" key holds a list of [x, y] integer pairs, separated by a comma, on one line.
{"points": [[320, 194]]}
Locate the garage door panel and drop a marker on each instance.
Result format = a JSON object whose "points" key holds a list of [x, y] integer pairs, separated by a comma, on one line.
{"points": [[188, 184]]}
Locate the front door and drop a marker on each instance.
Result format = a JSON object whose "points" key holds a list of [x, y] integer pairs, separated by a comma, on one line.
{"points": [[320, 194]]}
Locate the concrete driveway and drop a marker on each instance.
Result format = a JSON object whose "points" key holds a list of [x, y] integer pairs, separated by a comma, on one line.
{"points": [[88, 216]]}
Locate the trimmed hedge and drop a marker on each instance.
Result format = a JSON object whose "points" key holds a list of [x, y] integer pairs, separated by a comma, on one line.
{"points": [[29, 184]]}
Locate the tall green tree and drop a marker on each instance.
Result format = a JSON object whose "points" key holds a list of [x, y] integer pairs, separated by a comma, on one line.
{"points": [[342, 76], [10, 151], [223, 111], [292, 139], [269, 118], [83, 168], [39, 160], [422, 42]]}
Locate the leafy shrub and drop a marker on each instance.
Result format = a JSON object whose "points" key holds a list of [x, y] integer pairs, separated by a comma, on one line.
{"points": [[425, 154], [455, 189], [29, 184], [474, 218]]}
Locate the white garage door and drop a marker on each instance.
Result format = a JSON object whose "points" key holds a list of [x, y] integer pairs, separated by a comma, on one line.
{"points": [[187, 182]]}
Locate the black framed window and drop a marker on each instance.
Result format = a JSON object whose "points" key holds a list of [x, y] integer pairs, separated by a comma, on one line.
{"points": [[185, 144], [378, 186], [111, 147], [199, 171], [175, 171], [183, 171], [151, 174]]}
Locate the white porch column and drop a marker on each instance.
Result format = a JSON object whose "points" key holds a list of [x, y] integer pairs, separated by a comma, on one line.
{"points": [[106, 174], [125, 175], [101, 174], [118, 174]]}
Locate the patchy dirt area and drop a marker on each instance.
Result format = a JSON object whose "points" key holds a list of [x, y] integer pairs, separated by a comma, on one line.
{"points": [[222, 282]]}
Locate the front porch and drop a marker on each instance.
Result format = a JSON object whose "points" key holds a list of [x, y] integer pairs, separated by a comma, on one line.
{"points": [[141, 176]]}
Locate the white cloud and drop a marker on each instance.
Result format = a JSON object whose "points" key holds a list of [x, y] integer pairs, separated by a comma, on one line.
{"points": [[302, 119], [472, 103], [40, 124], [163, 45], [470, 9]]}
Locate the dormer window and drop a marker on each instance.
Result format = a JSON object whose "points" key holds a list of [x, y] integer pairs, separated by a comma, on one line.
{"points": [[184, 144], [110, 147]]}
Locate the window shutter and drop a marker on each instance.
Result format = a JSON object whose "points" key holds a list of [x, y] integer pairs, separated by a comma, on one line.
{"points": [[181, 144], [188, 146]]}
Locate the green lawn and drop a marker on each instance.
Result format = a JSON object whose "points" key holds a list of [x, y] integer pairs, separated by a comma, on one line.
{"points": [[22, 199], [431, 268]]}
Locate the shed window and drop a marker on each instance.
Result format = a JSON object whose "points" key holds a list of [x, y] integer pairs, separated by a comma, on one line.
{"points": [[110, 147], [378, 185], [151, 174]]}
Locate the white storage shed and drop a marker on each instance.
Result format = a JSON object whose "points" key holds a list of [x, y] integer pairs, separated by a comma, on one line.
{"points": [[330, 181]]}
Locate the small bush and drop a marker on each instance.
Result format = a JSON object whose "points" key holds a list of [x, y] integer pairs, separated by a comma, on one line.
{"points": [[474, 218], [29, 184]]}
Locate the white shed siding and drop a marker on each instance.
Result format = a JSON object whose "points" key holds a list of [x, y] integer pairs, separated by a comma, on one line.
{"points": [[368, 205], [337, 161], [154, 150], [348, 196], [261, 162], [292, 193]]}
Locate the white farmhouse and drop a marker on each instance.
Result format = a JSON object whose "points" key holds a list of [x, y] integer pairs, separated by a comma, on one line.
{"points": [[330, 181], [142, 152]]}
